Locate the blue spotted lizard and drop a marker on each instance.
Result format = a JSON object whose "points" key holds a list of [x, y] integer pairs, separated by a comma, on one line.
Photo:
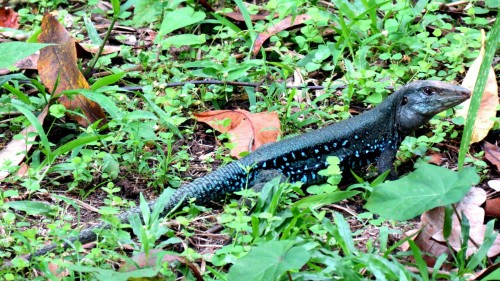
{"points": [[371, 137]]}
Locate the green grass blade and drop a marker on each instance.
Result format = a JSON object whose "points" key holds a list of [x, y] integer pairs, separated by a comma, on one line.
{"points": [[20, 95], [419, 260], [248, 23], [35, 123], [491, 46], [72, 145]]}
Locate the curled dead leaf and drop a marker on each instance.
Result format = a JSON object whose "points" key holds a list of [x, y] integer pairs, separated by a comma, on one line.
{"points": [[275, 28], [431, 237], [492, 154], [8, 18], [247, 131], [57, 66]]}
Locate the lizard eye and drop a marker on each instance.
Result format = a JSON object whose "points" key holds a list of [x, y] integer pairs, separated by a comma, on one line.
{"points": [[428, 91], [405, 101]]}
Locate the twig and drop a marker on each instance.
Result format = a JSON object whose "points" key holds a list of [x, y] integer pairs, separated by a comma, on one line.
{"points": [[232, 83]]}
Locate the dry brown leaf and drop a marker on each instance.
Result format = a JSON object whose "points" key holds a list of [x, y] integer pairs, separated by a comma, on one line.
{"points": [[432, 223], [237, 16], [492, 208], [248, 131], [93, 49], [55, 269], [142, 261], [435, 158], [23, 169], [275, 28], [15, 151], [59, 63], [488, 107], [8, 18], [470, 207], [492, 154]]}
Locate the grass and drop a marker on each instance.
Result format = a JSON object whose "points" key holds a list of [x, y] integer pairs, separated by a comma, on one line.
{"points": [[152, 142]]}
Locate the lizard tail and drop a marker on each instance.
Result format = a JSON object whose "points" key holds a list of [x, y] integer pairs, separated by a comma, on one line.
{"points": [[210, 188]]}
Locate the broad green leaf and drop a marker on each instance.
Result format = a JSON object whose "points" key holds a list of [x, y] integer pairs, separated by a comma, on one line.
{"points": [[146, 11], [183, 40], [429, 186], [269, 261], [110, 166], [32, 208], [12, 52], [179, 18], [238, 72], [141, 114], [322, 54]]}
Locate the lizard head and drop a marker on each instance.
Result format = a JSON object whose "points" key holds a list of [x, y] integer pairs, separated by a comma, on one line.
{"points": [[419, 101]]}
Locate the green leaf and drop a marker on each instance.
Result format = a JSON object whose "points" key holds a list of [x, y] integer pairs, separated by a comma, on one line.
{"points": [[110, 166], [164, 117], [429, 186], [477, 94], [322, 54], [269, 261], [179, 18], [105, 102], [32, 208], [490, 236], [35, 123], [57, 110], [11, 52], [319, 200], [91, 31], [80, 141], [116, 7], [107, 274], [6, 78], [107, 80], [183, 40], [495, 275], [141, 114], [146, 11]]}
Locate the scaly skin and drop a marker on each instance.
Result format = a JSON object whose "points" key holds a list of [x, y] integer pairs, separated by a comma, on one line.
{"points": [[373, 136]]}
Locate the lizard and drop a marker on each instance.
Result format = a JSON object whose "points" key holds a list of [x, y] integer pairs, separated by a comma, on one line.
{"points": [[371, 137]]}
